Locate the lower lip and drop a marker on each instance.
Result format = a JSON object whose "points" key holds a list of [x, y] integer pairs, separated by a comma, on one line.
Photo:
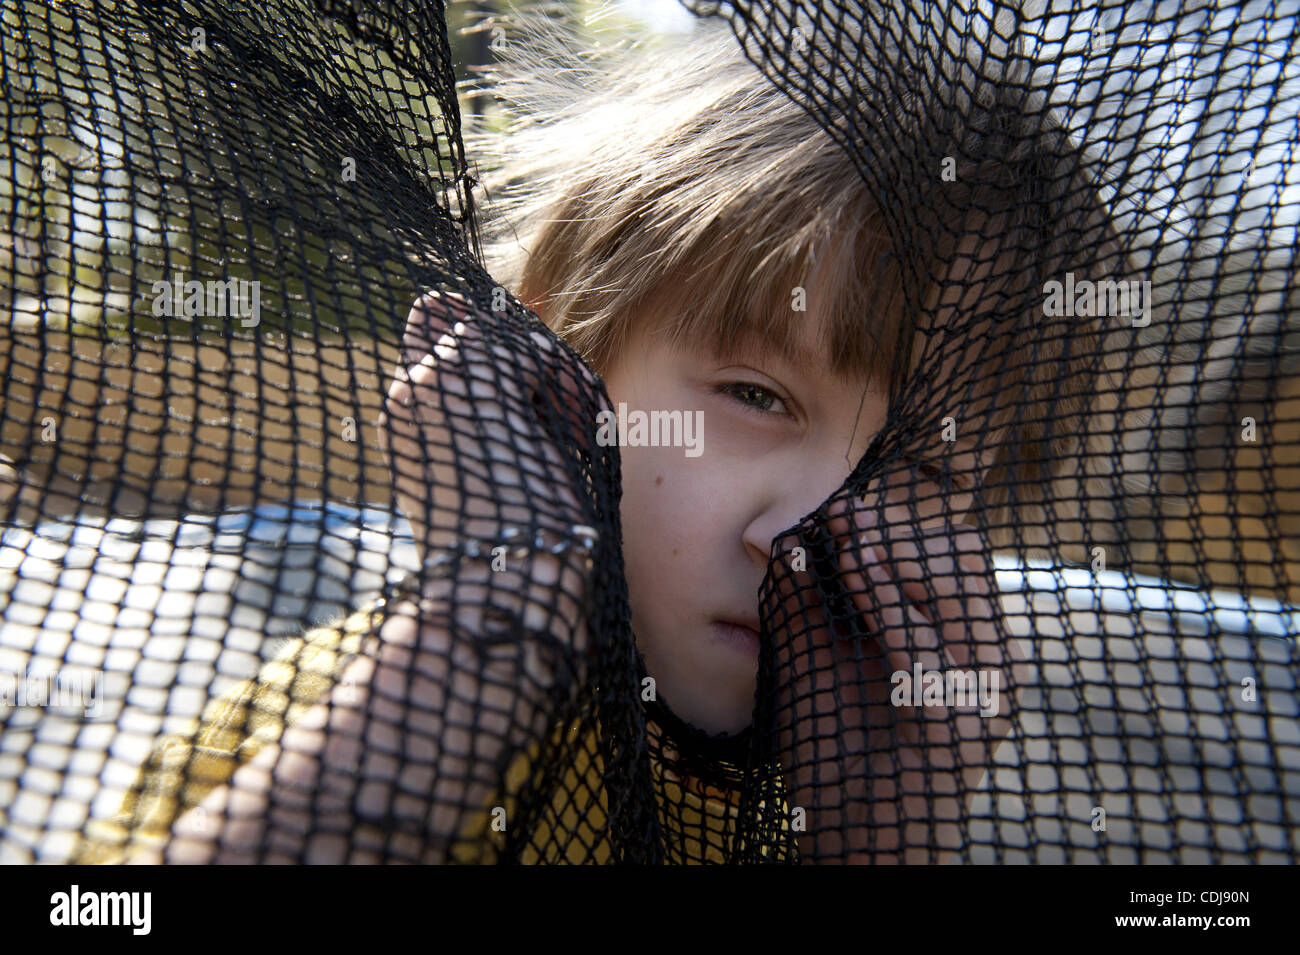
{"points": [[742, 638]]}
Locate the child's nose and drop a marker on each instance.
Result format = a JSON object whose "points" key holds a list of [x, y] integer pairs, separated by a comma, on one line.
{"points": [[787, 496]]}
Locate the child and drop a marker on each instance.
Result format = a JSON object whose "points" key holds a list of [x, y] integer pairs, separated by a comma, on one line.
{"points": [[716, 253]]}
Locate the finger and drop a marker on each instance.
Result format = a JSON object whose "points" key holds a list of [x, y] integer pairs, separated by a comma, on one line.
{"points": [[445, 333], [577, 376], [480, 398], [908, 637], [909, 640], [969, 622], [432, 315], [512, 432], [538, 376], [972, 636], [961, 587], [567, 393], [964, 620], [807, 657], [942, 577], [527, 383], [876, 600]]}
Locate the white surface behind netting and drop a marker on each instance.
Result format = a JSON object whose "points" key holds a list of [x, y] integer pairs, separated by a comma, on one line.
{"points": [[1128, 715], [171, 613]]}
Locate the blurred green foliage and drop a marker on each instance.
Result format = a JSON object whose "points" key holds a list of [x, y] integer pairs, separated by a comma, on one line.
{"points": [[212, 140]]}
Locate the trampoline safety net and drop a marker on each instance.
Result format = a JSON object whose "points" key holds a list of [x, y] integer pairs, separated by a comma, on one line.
{"points": [[329, 522]]}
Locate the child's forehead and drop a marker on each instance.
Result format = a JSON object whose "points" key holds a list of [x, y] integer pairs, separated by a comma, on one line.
{"points": [[801, 350], [797, 339]]}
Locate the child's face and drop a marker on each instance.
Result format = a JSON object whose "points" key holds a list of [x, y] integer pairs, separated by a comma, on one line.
{"points": [[778, 439]]}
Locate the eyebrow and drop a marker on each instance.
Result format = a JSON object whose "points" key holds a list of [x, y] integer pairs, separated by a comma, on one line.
{"points": [[750, 344], [981, 444]]}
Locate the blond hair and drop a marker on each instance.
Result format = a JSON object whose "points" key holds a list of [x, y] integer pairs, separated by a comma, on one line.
{"points": [[676, 179], [676, 176]]}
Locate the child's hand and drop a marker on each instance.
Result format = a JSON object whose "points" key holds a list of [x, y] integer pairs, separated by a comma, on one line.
{"points": [[879, 782], [473, 426], [486, 430], [481, 432]]}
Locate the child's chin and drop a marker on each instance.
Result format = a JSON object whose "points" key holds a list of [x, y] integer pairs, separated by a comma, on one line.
{"points": [[716, 723], [718, 711]]}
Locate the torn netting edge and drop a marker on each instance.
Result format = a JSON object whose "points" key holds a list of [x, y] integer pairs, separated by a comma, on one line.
{"points": [[1118, 148]]}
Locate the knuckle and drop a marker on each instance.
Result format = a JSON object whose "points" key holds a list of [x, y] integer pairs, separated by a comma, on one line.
{"points": [[400, 397]]}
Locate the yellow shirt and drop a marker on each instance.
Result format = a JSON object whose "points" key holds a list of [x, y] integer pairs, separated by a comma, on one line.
{"points": [[183, 768]]}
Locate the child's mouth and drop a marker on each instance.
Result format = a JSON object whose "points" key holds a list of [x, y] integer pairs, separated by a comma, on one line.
{"points": [[744, 638]]}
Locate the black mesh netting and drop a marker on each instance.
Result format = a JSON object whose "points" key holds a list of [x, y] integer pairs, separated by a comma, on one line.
{"points": [[294, 569]]}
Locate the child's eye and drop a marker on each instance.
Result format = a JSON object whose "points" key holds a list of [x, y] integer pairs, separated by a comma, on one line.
{"points": [[752, 396], [940, 475]]}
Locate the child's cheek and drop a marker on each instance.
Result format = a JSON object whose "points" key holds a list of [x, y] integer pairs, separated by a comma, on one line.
{"points": [[666, 518], [653, 490]]}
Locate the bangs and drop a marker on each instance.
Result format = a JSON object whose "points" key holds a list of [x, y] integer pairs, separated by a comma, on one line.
{"points": [[742, 299], [677, 185]]}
